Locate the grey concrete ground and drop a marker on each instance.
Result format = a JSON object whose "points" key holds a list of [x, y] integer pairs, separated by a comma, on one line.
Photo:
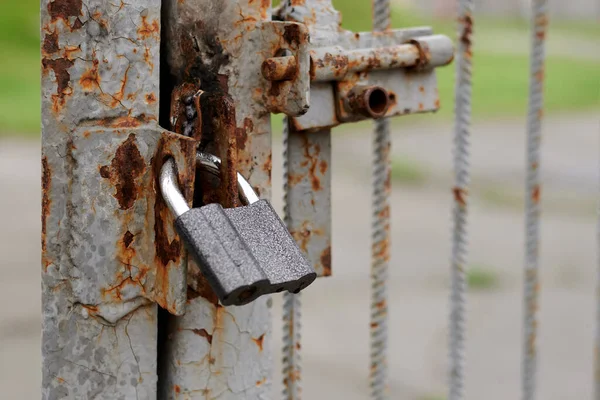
{"points": [[335, 347]]}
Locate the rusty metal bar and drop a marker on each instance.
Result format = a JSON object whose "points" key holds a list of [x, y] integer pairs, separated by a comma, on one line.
{"points": [[382, 170], [460, 193], [108, 245], [307, 162], [532, 201]]}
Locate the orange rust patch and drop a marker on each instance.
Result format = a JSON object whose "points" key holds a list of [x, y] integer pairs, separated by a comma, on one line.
{"points": [[125, 168], [326, 261], [421, 107], [150, 98], [69, 50], [323, 166], [177, 389], [466, 34], [259, 341], [312, 160], [60, 380], [535, 194], [148, 29], [437, 103], [460, 196], [421, 89], [268, 164], [148, 59], [90, 79], [60, 66], [262, 381]]}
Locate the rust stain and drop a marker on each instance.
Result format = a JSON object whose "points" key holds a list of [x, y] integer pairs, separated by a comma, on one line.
{"points": [[63, 9], [460, 196], [204, 334], [50, 44], [148, 58], [437, 103], [312, 160], [124, 170], [466, 34], [149, 30], [69, 50], [268, 164], [261, 382], [60, 380], [323, 166], [421, 107], [46, 183], [60, 66], [150, 98], [326, 261], [177, 389], [259, 341], [90, 79], [535, 194]]}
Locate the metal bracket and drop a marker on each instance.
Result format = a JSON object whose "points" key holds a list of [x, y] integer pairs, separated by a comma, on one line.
{"points": [[374, 75]]}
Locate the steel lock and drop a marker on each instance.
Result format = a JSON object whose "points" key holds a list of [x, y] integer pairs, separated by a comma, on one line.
{"points": [[243, 252]]}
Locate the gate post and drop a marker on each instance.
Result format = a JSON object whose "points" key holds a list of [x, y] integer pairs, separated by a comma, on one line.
{"points": [[108, 245]]}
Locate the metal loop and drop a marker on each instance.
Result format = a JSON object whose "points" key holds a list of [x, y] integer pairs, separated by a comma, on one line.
{"points": [[208, 162]]}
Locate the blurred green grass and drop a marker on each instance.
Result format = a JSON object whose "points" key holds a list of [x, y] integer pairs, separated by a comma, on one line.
{"points": [[500, 62]]}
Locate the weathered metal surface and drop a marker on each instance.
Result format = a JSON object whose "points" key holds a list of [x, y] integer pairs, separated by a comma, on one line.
{"points": [[308, 195], [405, 71], [108, 246], [219, 48], [307, 174], [531, 285], [458, 261]]}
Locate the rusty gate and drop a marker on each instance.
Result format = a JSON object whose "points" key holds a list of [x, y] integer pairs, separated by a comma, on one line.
{"points": [[128, 85]]}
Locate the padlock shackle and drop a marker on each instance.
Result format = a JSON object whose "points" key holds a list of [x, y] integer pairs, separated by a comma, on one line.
{"points": [[172, 195]]}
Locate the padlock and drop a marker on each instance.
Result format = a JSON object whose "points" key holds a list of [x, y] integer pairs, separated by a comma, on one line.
{"points": [[243, 252]]}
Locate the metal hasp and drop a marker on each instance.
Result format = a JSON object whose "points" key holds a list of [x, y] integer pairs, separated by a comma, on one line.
{"points": [[244, 252], [214, 53], [109, 250], [354, 76]]}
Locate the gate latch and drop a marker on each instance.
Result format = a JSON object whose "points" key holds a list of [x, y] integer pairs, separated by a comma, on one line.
{"points": [[243, 252]]}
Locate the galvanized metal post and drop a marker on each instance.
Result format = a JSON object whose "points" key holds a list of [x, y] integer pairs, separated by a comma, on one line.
{"points": [[108, 246], [216, 52]]}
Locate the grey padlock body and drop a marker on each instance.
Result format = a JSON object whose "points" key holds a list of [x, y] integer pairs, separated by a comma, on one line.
{"points": [[277, 253], [243, 252], [223, 257]]}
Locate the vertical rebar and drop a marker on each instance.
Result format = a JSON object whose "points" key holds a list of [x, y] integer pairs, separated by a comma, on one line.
{"points": [[291, 305], [462, 126], [380, 235], [532, 201]]}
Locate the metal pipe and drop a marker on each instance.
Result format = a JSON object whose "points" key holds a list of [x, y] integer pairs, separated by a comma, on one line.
{"points": [[334, 63]]}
